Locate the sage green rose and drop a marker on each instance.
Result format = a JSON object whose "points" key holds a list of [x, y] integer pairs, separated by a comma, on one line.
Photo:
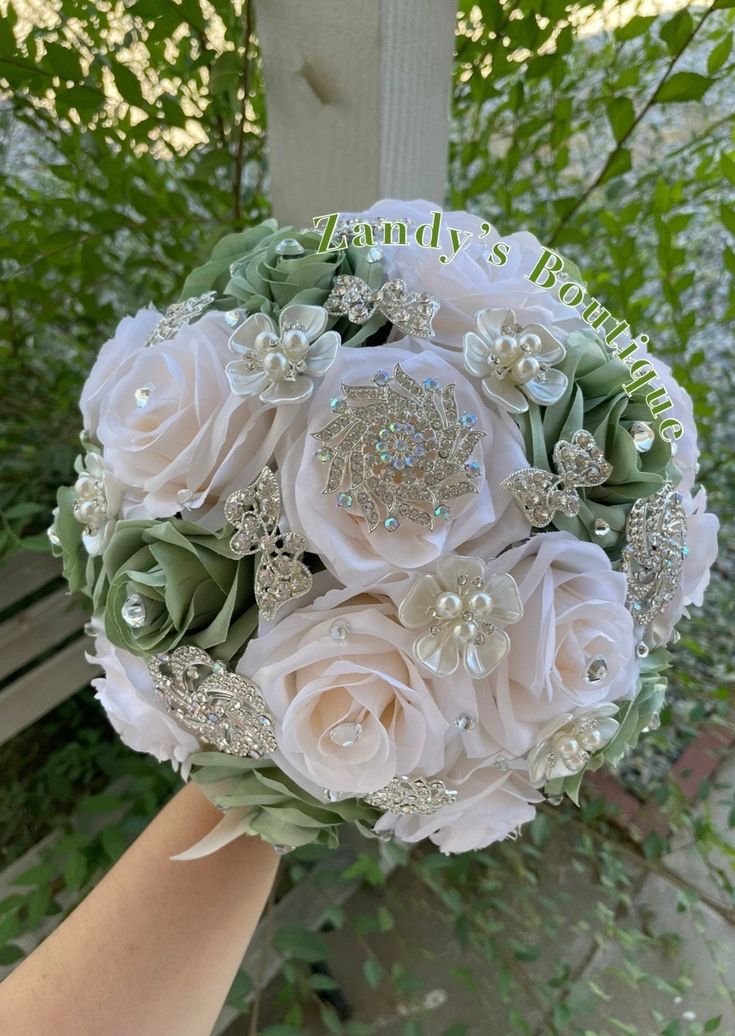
{"points": [[595, 400], [272, 805], [252, 275], [179, 584], [65, 536], [634, 716]]}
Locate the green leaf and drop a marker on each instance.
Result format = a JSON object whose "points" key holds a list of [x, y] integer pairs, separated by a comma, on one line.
{"points": [[300, 943], [719, 54], [637, 26], [75, 870], [373, 972], [676, 31], [683, 86], [128, 85], [621, 115], [727, 163], [63, 61], [10, 954], [727, 215]]}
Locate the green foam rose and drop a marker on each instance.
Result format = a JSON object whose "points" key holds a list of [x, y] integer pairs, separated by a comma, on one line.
{"points": [[193, 588], [596, 401], [275, 807], [79, 569], [248, 270]]}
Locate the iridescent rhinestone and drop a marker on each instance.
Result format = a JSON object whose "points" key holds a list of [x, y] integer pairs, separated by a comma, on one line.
{"points": [[340, 629], [642, 650], [601, 527], [643, 436], [289, 246], [324, 454], [465, 722], [468, 420], [430, 383], [344, 500], [232, 317], [472, 468], [381, 378], [596, 670], [133, 611], [442, 512], [345, 734], [373, 255], [391, 523], [336, 404], [142, 395]]}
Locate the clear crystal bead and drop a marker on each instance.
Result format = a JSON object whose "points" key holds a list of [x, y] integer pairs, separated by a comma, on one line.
{"points": [[596, 670], [133, 611], [289, 246], [373, 255], [142, 395], [345, 734], [643, 436], [332, 796], [642, 650], [601, 527], [340, 629], [465, 722], [232, 317]]}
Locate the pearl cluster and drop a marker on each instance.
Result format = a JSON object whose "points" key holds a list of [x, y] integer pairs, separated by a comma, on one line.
{"points": [[514, 355], [282, 356], [468, 609], [90, 502]]}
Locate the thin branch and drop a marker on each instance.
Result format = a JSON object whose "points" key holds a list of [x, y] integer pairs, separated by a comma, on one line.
{"points": [[634, 124], [239, 159]]}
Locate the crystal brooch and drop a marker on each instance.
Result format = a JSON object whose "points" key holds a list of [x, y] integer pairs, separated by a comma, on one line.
{"points": [[652, 561], [411, 312], [280, 575], [425, 795], [220, 708], [540, 493], [179, 315], [398, 451]]}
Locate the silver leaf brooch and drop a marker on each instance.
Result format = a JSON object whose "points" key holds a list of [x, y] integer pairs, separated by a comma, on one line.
{"points": [[280, 574], [220, 708], [540, 493], [410, 311], [179, 315], [656, 531]]}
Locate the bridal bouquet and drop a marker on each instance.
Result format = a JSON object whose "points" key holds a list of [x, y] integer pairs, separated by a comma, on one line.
{"points": [[376, 537]]}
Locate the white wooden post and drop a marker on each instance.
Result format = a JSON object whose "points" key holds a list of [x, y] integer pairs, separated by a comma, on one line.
{"points": [[357, 95]]}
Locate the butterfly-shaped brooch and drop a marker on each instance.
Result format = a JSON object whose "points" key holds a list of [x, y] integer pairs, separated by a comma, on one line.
{"points": [[281, 575], [540, 493]]}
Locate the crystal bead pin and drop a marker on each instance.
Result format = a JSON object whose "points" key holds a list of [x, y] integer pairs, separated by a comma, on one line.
{"points": [[596, 670], [340, 629], [133, 611], [643, 436], [142, 395], [290, 247], [345, 735]]}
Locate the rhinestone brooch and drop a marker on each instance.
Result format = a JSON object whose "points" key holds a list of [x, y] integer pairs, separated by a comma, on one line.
{"points": [[218, 707], [425, 795], [540, 493], [254, 512], [179, 315], [656, 531], [566, 748], [399, 450], [411, 312]]}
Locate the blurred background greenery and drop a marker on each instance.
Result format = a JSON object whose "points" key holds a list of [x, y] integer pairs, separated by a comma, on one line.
{"points": [[132, 139]]}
